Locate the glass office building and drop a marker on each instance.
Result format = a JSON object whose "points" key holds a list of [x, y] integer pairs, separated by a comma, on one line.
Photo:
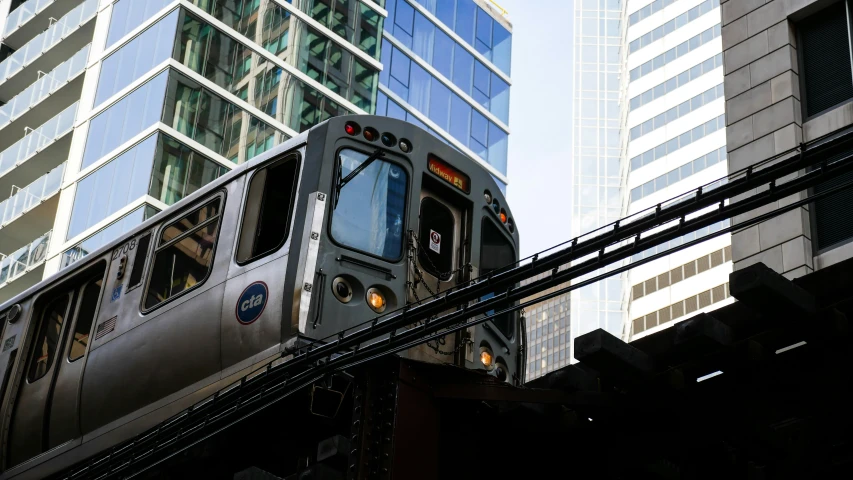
{"points": [[447, 69], [112, 110]]}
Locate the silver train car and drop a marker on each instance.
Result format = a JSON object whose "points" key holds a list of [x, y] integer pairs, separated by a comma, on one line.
{"points": [[355, 217]]}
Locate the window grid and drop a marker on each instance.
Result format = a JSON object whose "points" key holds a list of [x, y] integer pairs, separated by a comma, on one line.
{"points": [[681, 308], [677, 112], [673, 25], [690, 168], [679, 80], [680, 240], [675, 52], [649, 10], [681, 141], [670, 278]]}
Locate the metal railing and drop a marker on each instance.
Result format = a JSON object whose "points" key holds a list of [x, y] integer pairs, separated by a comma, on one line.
{"points": [[43, 87], [23, 14], [24, 259], [25, 199], [37, 139], [48, 38]]}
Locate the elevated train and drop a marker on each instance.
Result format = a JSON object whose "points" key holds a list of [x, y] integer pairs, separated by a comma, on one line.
{"points": [[351, 219]]}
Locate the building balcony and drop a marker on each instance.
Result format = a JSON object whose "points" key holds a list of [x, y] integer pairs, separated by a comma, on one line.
{"points": [[23, 268], [30, 18], [48, 49], [38, 152], [66, 76], [29, 210]]}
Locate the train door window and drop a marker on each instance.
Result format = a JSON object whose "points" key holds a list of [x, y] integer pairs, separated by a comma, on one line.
{"points": [[139, 262], [436, 238], [269, 209], [91, 294], [496, 252], [50, 327], [370, 207], [184, 254]]}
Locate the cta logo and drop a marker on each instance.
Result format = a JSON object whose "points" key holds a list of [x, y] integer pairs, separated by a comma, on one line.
{"points": [[251, 303]]}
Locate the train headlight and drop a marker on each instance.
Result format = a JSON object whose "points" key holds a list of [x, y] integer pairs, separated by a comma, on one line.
{"points": [[376, 300], [342, 289], [487, 359], [501, 372]]}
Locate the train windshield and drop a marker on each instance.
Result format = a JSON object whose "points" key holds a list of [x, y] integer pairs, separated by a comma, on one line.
{"points": [[369, 212], [496, 252]]}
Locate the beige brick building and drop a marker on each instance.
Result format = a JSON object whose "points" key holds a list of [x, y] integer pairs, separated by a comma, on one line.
{"points": [[788, 81]]}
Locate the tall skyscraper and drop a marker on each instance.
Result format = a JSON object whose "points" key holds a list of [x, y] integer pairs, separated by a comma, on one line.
{"points": [[112, 110], [447, 70], [676, 142]]}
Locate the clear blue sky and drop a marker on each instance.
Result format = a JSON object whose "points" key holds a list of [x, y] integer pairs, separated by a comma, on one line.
{"points": [[540, 119]]}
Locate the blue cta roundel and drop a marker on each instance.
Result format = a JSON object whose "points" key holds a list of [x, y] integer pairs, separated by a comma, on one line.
{"points": [[251, 303]]}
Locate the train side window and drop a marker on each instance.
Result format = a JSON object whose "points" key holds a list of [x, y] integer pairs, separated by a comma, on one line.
{"points": [[496, 252], [435, 249], [269, 209], [85, 317], [184, 254], [50, 328]]}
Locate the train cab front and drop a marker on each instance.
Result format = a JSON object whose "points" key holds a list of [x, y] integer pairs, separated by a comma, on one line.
{"points": [[407, 217]]}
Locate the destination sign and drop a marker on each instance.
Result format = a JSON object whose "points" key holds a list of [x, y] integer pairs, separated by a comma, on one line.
{"points": [[449, 174]]}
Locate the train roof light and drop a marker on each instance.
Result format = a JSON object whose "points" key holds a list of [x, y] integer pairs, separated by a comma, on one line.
{"points": [[510, 224], [370, 134], [503, 216], [389, 140], [405, 146], [352, 128], [488, 196]]}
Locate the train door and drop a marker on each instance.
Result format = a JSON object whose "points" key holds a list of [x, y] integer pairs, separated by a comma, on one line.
{"points": [[439, 251], [251, 310], [47, 407]]}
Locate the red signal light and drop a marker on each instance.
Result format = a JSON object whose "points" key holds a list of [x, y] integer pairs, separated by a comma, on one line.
{"points": [[351, 128]]}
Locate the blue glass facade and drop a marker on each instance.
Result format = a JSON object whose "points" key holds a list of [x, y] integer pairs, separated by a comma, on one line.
{"points": [[464, 94]]}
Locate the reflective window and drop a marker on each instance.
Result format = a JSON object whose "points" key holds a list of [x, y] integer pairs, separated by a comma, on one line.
{"points": [[705, 161], [124, 119], [137, 57], [179, 171], [217, 123], [370, 209], [107, 234], [674, 24], [677, 111], [112, 186], [129, 14], [648, 10], [184, 254], [47, 340], [89, 298], [679, 80], [268, 209], [470, 75], [349, 19], [473, 24], [678, 142], [675, 52]]}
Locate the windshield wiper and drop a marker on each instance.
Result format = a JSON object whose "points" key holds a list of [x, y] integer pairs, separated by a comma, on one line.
{"points": [[379, 153]]}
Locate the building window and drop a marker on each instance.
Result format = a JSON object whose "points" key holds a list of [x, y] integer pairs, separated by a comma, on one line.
{"points": [[184, 254], [824, 46]]}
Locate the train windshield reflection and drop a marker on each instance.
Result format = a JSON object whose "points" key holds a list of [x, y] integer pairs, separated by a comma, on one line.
{"points": [[369, 213]]}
